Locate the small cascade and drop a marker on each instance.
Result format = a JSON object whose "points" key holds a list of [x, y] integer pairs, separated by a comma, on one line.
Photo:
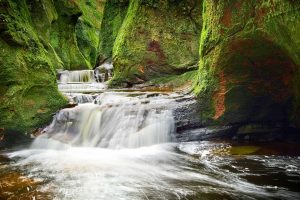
{"points": [[104, 72], [85, 81], [80, 76], [80, 98], [117, 121], [82, 87], [114, 120]]}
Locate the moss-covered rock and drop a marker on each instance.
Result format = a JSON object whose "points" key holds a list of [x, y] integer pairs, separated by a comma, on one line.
{"points": [[69, 30], [156, 38], [28, 88], [249, 62], [87, 29], [114, 14], [36, 38]]}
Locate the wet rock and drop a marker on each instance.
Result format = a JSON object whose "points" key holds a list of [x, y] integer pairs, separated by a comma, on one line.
{"points": [[259, 128], [208, 133], [10, 138], [187, 113]]}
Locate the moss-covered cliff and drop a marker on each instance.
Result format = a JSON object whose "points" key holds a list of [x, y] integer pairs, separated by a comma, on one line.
{"points": [[113, 16], [27, 75], [249, 62], [156, 38], [36, 38]]}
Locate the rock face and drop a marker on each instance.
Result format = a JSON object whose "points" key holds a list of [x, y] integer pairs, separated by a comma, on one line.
{"points": [[156, 38], [37, 37], [113, 17], [249, 62]]}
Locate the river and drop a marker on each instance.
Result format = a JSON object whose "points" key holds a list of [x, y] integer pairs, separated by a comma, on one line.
{"points": [[122, 145]]}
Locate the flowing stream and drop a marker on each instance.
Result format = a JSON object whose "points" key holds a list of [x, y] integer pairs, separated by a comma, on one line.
{"points": [[121, 145]]}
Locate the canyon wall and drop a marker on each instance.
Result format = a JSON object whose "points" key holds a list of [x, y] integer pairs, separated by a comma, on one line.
{"points": [[249, 62], [36, 38], [156, 38]]}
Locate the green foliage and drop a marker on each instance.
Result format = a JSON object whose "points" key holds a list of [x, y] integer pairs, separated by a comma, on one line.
{"points": [[87, 29]]}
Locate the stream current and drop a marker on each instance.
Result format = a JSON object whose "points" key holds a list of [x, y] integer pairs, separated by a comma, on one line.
{"points": [[121, 145]]}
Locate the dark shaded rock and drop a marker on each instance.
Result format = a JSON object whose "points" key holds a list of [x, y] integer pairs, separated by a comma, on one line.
{"points": [[187, 113], [208, 133], [10, 139]]}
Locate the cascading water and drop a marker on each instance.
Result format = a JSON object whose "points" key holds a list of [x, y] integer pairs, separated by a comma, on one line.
{"points": [[117, 122], [79, 98], [77, 76], [118, 145], [81, 81]]}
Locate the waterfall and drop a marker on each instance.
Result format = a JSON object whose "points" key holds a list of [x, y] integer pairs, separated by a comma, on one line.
{"points": [[79, 98], [79, 76], [113, 120], [81, 81], [117, 121], [81, 87]]}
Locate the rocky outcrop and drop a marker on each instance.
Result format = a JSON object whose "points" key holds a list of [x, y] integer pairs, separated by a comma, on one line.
{"points": [[156, 38], [249, 62]]}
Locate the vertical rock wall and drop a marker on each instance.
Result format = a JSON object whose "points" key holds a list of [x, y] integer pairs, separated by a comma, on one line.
{"points": [[156, 38], [36, 38], [249, 62]]}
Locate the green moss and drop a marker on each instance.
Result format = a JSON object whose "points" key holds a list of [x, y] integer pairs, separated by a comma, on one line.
{"points": [[148, 43], [29, 93], [114, 14], [176, 81], [249, 61], [36, 38], [88, 29]]}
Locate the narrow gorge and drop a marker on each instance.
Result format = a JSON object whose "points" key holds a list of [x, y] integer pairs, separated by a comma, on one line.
{"points": [[149, 99]]}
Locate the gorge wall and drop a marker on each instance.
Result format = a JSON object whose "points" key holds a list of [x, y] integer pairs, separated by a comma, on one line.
{"points": [[36, 38], [157, 38], [249, 62], [245, 54]]}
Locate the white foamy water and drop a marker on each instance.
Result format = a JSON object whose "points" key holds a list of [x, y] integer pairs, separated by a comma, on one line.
{"points": [[80, 98], [163, 171], [81, 81], [119, 145], [82, 87], [77, 76], [117, 122]]}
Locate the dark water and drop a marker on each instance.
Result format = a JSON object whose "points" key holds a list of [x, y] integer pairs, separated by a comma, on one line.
{"points": [[190, 170]]}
